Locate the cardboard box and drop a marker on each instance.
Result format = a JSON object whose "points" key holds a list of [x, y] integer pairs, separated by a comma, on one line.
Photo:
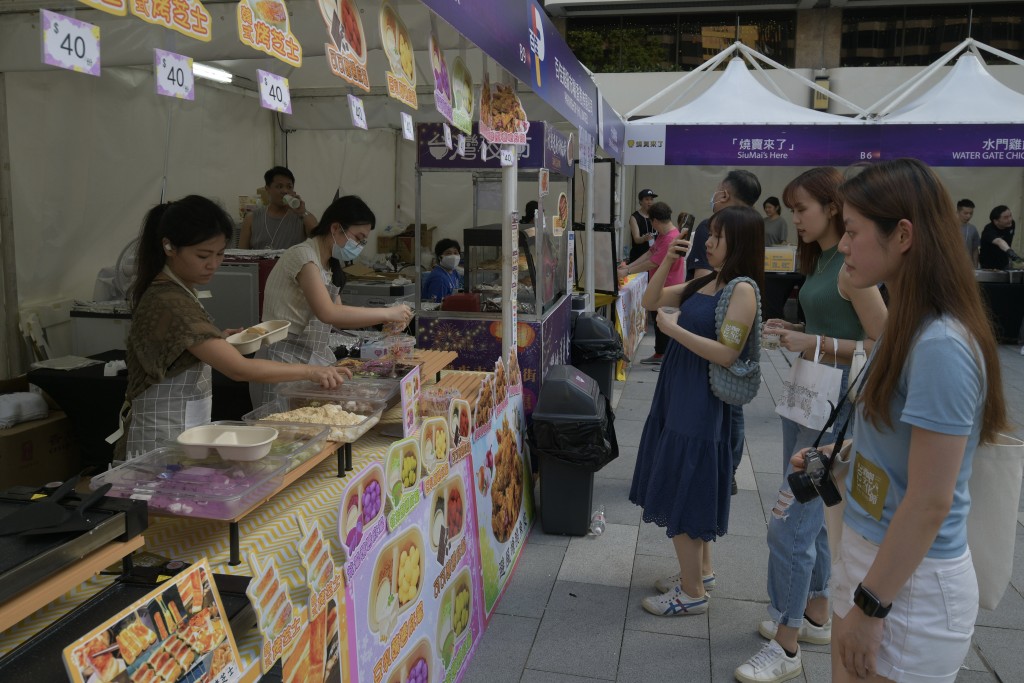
{"points": [[779, 259], [34, 453]]}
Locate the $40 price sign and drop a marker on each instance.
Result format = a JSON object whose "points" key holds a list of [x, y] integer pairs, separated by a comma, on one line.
{"points": [[174, 76], [69, 43], [274, 93]]}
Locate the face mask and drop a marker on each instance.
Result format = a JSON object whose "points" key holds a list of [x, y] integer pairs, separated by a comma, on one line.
{"points": [[349, 252], [450, 261], [713, 195]]}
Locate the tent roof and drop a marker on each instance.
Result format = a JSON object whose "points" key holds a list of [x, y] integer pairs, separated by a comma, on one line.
{"points": [[967, 94], [738, 98]]}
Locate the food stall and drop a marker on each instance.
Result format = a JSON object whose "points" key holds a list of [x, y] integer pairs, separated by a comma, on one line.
{"points": [[542, 303]]}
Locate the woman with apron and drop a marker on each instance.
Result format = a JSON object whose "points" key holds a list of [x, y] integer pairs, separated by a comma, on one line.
{"points": [[173, 342], [300, 290]]}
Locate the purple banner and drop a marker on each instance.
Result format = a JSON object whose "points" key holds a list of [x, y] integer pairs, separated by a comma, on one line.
{"points": [[955, 145], [613, 131], [431, 151], [770, 145], [521, 38], [557, 155]]}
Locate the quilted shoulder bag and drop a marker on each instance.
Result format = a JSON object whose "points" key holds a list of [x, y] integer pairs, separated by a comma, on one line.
{"points": [[738, 384]]}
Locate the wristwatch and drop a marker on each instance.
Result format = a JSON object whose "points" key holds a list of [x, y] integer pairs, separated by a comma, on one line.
{"points": [[869, 602]]}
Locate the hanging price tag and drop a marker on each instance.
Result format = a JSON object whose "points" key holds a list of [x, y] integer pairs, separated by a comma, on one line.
{"points": [[69, 43], [407, 130], [274, 93], [355, 105], [174, 75], [462, 145], [508, 157], [447, 136]]}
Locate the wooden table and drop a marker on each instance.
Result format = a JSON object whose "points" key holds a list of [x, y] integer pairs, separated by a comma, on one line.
{"points": [[42, 594], [466, 383], [433, 362]]}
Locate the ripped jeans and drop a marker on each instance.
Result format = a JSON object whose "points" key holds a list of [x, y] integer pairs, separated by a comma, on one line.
{"points": [[799, 563]]}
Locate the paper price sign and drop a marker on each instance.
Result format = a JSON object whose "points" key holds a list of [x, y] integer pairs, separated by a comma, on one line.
{"points": [[407, 130], [355, 105], [174, 76], [447, 136], [70, 44], [508, 157], [274, 93], [462, 145]]}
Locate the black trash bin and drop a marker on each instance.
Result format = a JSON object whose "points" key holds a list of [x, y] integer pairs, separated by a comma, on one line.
{"points": [[573, 436], [596, 347]]}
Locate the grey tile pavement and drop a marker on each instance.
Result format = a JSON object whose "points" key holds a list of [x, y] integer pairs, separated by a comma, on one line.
{"points": [[572, 614]]}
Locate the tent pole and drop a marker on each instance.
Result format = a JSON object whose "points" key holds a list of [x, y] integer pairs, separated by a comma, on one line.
{"points": [[710, 64], [10, 341], [509, 250], [908, 87], [757, 66], [589, 272], [703, 70], [999, 53], [809, 83]]}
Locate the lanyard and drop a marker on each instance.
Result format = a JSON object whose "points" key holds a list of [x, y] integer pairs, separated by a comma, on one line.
{"points": [[174, 278]]}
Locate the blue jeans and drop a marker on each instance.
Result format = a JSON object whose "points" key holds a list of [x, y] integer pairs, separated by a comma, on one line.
{"points": [[799, 562]]}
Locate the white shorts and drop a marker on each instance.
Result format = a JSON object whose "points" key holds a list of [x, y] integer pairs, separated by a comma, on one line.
{"points": [[928, 631]]}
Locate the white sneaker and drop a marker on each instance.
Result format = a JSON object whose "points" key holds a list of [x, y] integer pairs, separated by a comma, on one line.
{"points": [[770, 665], [669, 582], [809, 633], [676, 603]]}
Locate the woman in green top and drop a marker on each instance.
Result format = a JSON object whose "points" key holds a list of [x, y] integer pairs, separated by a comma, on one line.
{"points": [[838, 315]]}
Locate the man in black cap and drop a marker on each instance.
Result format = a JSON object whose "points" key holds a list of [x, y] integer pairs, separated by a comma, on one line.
{"points": [[640, 227]]}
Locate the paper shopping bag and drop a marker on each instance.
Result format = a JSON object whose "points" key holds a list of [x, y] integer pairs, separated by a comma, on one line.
{"points": [[810, 393]]}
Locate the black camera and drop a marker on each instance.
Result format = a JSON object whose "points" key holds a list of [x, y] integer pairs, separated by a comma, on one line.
{"points": [[815, 480]]}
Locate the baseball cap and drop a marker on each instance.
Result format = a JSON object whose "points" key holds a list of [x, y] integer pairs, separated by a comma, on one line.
{"points": [[646, 193]]}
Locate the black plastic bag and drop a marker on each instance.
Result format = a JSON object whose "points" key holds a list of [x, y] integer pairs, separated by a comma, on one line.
{"points": [[586, 445]]}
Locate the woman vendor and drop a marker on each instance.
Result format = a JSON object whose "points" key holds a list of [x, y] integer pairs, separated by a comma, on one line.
{"points": [[300, 290], [444, 279], [173, 342]]}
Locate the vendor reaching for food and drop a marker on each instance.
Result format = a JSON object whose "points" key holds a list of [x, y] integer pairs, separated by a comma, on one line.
{"points": [[173, 343], [300, 290], [284, 222]]}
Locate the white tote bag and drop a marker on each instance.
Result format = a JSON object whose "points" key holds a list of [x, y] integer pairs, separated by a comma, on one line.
{"points": [[992, 523], [811, 391]]}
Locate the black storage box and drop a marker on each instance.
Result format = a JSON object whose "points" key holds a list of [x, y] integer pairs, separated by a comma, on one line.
{"points": [[596, 347], [573, 436]]}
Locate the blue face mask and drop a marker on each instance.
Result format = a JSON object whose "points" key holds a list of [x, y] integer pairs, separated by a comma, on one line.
{"points": [[349, 252]]}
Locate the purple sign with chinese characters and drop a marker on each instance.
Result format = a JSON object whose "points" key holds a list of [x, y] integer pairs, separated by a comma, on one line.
{"points": [[557, 152], [960, 144], [613, 131], [431, 151], [770, 145], [522, 39]]}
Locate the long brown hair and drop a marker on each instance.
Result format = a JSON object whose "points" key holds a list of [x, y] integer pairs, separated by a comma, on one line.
{"points": [[822, 184], [744, 240], [936, 278]]}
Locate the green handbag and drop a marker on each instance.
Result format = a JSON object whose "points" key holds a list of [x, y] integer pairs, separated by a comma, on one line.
{"points": [[738, 384]]}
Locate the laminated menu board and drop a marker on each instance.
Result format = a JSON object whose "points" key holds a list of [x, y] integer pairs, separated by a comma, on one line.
{"points": [[177, 632]]}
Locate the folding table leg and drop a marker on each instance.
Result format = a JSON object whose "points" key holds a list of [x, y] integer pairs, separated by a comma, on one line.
{"points": [[235, 559]]}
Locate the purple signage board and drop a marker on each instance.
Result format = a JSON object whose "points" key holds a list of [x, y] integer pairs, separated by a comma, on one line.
{"points": [[432, 152], [770, 145], [613, 131], [522, 39], [962, 144], [557, 152]]}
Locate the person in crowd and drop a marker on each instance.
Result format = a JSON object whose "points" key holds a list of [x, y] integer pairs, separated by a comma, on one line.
{"points": [[972, 240], [996, 238], [640, 228], [444, 279], [173, 343], [904, 591], [300, 290], [837, 315], [282, 223], [684, 467], [775, 228], [738, 188], [529, 219], [661, 218]]}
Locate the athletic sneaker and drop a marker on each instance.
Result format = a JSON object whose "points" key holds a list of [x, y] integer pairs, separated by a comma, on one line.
{"points": [[809, 633], [652, 360], [669, 582], [770, 665], [676, 603]]}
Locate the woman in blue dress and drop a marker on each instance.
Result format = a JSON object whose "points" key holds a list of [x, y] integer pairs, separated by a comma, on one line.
{"points": [[683, 473]]}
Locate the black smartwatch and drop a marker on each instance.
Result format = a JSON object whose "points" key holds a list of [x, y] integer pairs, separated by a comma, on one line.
{"points": [[869, 602]]}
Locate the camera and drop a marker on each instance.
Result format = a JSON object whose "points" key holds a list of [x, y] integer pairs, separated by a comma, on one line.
{"points": [[815, 480]]}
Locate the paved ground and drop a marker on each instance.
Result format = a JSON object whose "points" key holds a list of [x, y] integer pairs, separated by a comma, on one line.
{"points": [[572, 610]]}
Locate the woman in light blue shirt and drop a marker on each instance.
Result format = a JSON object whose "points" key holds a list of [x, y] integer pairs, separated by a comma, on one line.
{"points": [[905, 595]]}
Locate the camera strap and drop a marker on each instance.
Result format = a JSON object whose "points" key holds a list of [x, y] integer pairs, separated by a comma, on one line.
{"points": [[834, 414]]}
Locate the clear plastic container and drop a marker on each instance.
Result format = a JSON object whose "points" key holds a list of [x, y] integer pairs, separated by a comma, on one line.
{"points": [[358, 387], [368, 410], [401, 346], [212, 488]]}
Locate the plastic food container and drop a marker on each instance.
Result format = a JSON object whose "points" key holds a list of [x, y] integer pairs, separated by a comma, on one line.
{"points": [[382, 389], [298, 443], [232, 442], [369, 410], [174, 483], [401, 346]]}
